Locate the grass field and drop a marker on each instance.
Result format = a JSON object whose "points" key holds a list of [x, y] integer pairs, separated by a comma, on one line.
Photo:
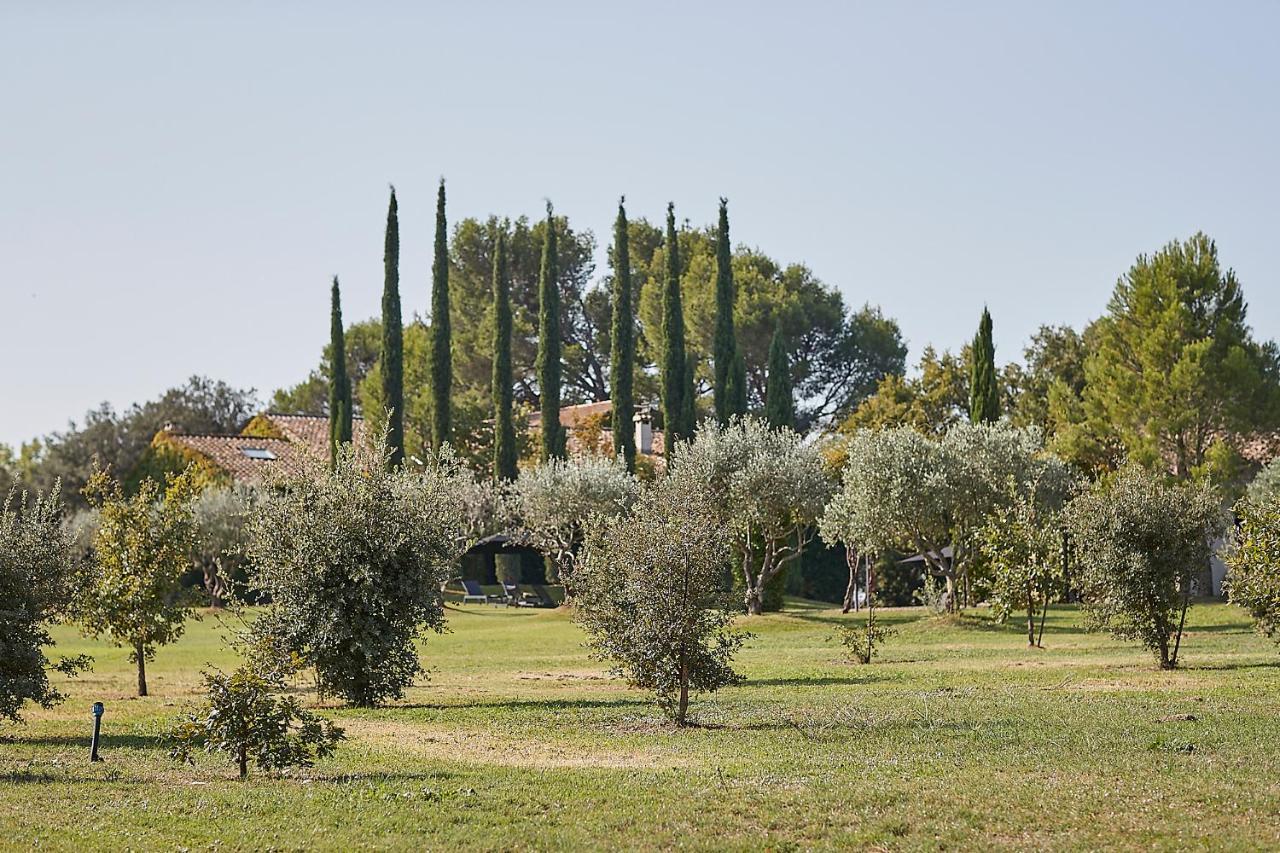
{"points": [[958, 737]]}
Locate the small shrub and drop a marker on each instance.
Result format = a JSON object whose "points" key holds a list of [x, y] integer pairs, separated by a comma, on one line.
{"points": [[1253, 581], [245, 717], [861, 640]]}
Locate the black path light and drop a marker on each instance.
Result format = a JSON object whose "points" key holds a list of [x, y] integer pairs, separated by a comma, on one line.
{"points": [[97, 730]]}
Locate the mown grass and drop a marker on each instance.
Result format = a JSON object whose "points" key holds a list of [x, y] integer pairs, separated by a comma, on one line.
{"points": [[958, 736]]}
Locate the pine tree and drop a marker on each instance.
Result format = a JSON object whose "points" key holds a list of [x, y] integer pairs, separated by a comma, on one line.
{"points": [[504, 431], [340, 416], [393, 338], [623, 355], [779, 405], [548, 361], [984, 398], [673, 356], [724, 345], [441, 335]]}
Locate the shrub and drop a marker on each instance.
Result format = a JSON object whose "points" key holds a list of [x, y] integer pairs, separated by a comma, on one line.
{"points": [[354, 560], [1253, 581], [36, 562], [1139, 544], [651, 596], [245, 717]]}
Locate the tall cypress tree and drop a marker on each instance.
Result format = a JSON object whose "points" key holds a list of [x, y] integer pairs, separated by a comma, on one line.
{"points": [[504, 431], [393, 338], [340, 416], [441, 334], [622, 338], [548, 361], [779, 405], [724, 345], [673, 357], [984, 397], [736, 386]]}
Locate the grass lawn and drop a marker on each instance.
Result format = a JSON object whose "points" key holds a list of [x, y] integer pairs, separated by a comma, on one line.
{"points": [[959, 736]]}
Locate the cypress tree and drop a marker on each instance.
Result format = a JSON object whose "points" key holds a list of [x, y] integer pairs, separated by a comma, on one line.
{"points": [[984, 398], [673, 370], [736, 386], [340, 417], [779, 405], [504, 431], [548, 361], [441, 334], [724, 345], [393, 338], [622, 337]]}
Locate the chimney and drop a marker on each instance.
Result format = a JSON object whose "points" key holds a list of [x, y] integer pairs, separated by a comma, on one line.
{"points": [[644, 430]]}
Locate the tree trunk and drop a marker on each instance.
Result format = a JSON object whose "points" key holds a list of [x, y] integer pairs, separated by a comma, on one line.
{"points": [[851, 591], [1182, 621], [754, 601], [1031, 617], [244, 762], [1044, 614], [683, 709], [140, 653], [951, 593]]}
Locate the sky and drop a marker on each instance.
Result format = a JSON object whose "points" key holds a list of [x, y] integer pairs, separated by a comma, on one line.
{"points": [[178, 182]]}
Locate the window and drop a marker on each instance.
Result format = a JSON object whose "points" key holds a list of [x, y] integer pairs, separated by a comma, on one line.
{"points": [[258, 453]]}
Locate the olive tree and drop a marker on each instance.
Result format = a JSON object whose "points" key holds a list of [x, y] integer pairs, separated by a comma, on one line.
{"points": [[554, 500], [133, 593], [36, 562], [249, 715], [221, 520], [1140, 542], [1022, 544], [769, 487], [651, 596], [912, 492], [354, 560], [1253, 581]]}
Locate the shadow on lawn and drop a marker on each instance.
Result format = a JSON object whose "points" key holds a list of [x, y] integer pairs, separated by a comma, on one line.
{"points": [[109, 741], [816, 681], [508, 704]]}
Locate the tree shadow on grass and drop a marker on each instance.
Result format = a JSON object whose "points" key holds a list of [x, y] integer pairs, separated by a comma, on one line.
{"points": [[108, 741], [1222, 667], [817, 681], [511, 704]]}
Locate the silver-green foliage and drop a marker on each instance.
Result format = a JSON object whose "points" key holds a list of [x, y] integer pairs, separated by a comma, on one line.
{"points": [[554, 500], [36, 561], [907, 491], [1253, 581], [1266, 485], [769, 488], [652, 598], [1139, 542], [354, 561], [222, 517]]}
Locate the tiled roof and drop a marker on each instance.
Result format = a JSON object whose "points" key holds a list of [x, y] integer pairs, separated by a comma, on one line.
{"points": [[247, 459], [254, 459], [312, 430], [572, 416]]}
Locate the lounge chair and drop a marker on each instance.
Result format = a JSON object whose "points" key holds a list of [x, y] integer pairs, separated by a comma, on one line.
{"points": [[471, 591], [539, 597], [510, 593]]}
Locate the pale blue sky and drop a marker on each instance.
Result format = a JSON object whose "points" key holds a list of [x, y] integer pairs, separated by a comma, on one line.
{"points": [[176, 187]]}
